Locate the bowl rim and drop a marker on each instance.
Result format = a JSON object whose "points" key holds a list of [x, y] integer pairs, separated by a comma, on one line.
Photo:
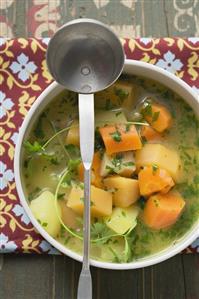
{"points": [[131, 67]]}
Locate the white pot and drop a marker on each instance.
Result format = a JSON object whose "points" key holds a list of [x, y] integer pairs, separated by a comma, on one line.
{"points": [[133, 68]]}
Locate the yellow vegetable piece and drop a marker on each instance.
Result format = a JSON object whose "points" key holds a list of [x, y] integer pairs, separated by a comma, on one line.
{"points": [[161, 156], [121, 163], [69, 217], [43, 208], [122, 219], [125, 190], [121, 94], [112, 117], [73, 134], [101, 201]]}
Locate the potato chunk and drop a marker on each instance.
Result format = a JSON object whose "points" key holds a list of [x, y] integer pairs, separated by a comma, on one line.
{"points": [[68, 215], [121, 163], [101, 201], [43, 208], [161, 156], [125, 190], [121, 94], [73, 134], [103, 117], [122, 219], [96, 178]]}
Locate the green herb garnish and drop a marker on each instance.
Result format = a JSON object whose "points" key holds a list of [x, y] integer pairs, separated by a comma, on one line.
{"points": [[116, 136], [154, 168], [121, 93], [34, 147], [155, 116]]}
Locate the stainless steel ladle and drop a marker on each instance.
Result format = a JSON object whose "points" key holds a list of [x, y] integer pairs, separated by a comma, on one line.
{"points": [[85, 56]]}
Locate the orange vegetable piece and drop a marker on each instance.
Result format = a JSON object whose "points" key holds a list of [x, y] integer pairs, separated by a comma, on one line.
{"points": [[160, 118], [96, 178], [153, 179], [163, 210], [149, 133], [120, 138]]}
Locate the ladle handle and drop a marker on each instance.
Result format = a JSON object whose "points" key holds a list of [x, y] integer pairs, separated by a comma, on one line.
{"points": [[86, 120]]}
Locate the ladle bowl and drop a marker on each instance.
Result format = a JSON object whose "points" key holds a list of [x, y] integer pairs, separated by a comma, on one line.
{"points": [[85, 56]]}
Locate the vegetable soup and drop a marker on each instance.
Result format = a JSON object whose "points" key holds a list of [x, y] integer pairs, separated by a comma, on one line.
{"points": [[145, 180]]}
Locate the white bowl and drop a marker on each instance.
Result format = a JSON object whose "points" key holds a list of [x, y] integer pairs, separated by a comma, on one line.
{"points": [[133, 68]]}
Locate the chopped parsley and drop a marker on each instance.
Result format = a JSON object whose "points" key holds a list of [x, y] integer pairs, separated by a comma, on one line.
{"points": [[128, 126], [121, 93], [123, 213], [33, 194], [155, 116], [60, 196], [72, 150], [154, 168], [147, 109], [38, 131], [116, 136], [34, 147]]}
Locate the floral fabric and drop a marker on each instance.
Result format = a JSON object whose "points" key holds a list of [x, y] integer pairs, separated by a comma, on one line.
{"points": [[23, 76]]}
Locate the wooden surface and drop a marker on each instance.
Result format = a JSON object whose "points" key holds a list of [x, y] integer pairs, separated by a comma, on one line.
{"points": [[55, 277]]}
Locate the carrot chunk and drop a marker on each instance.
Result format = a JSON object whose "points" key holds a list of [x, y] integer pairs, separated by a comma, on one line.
{"points": [[158, 116], [153, 179], [163, 210], [149, 134], [96, 178], [120, 138]]}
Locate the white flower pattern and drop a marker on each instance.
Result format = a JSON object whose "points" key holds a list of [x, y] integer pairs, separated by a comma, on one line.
{"points": [[14, 137], [45, 40], [5, 104], [193, 40], [6, 245], [18, 210], [46, 247], [169, 63], [146, 40], [2, 41], [23, 67], [6, 175]]}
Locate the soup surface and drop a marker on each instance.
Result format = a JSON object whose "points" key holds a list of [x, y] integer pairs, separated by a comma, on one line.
{"points": [[145, 180]]}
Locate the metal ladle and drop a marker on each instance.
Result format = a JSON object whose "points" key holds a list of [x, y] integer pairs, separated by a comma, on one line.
{"points": [[85, 56]]}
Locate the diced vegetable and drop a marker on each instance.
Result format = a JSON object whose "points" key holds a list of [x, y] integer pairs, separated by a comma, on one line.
{"points": [[163, 157], [153, 179], [122, 219], [96, 178], [157, 115], [121, 163], [121, 94], [163, 210], [120, 138], [125, 190], [69, 217], [43, 208], [73, 134], [149, 134], [101, 201], [103, 117]]}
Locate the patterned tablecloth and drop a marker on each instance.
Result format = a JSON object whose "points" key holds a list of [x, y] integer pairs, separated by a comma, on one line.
{"points": [[23, 76]]}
